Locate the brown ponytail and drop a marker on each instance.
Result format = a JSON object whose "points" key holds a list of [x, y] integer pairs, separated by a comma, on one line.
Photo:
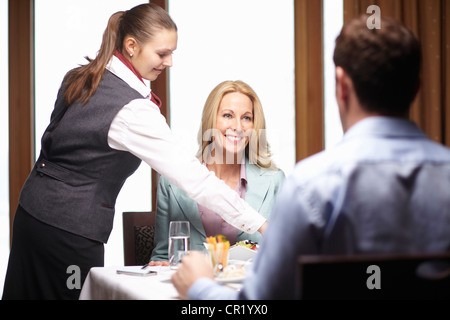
{"points": [[140, 22]]}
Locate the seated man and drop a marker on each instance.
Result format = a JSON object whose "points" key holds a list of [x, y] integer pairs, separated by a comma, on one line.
{"points": [[383, 189]]}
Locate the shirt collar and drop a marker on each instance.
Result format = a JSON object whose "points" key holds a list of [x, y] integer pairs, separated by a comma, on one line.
{"points": [[384, 126], [123, 72]]}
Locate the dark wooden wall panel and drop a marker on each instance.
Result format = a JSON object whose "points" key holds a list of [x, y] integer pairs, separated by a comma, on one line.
{"points": [[309, 105], [21, 99]]}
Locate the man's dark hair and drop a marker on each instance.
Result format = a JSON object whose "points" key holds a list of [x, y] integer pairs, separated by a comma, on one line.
{"points": [[384, 64]]}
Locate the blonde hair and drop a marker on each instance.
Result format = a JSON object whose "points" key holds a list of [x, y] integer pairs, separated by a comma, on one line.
{"points": [[257, 150]]}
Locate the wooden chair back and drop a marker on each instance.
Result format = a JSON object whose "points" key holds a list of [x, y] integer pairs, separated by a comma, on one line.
{"points": [[138, 236], [381, 276]]}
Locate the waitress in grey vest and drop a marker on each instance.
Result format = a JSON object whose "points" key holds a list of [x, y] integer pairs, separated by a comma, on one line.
{"points": [[105, 122]]}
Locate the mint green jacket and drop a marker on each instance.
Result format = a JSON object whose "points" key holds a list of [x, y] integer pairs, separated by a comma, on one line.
{"points": [[174, 205]]}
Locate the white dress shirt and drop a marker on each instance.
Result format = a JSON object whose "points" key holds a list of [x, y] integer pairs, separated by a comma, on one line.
{"points": [[141, 129]]}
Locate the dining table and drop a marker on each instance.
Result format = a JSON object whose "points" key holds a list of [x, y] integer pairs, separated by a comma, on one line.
{"points": [[111, 283], [105, 283]]}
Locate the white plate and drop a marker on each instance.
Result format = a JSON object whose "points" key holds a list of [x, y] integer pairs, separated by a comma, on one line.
{"points": [[241, 253], [240, 278], [230, 280]]}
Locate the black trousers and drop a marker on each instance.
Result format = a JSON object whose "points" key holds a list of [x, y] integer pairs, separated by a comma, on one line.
{"points": [[47, 263]]}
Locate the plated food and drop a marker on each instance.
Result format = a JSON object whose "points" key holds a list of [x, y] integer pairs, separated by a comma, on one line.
{"points": [[230, 263], [243, 250], [235, 271], [248, 244]]}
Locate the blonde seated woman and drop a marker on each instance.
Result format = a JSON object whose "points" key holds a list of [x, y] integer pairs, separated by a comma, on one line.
{"points": [[233, 145]]}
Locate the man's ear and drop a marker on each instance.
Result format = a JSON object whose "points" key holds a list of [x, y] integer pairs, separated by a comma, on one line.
{"points": [[342, 90], [344, 87], [342, 96]]}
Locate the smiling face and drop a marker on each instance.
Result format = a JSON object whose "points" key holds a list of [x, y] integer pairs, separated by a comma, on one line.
{"points": [[151, 58], [234, 119]]}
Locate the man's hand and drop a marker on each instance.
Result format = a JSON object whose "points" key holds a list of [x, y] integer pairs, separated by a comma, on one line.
{"points": [[194, 266]]}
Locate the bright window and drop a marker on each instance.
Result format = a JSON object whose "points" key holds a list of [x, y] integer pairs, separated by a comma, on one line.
{"points": [[248, 40], [333, 16]]}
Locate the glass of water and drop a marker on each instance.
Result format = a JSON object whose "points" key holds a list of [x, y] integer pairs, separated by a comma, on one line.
{"points": [[179, 237]]}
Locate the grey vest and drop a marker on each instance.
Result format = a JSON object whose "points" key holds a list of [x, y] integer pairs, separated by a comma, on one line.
{"points": [[75, 182]]}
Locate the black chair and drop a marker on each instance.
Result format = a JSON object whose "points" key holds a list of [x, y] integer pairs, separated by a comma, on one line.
{"points": [[138, 237], [381, 276]]}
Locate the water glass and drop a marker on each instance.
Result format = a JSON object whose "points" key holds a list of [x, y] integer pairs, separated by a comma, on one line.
{"points": [[179, 237]]}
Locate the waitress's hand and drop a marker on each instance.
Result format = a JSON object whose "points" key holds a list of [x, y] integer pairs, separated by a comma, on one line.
{"points": [[159, 263], [263, 228], [194, 266]]}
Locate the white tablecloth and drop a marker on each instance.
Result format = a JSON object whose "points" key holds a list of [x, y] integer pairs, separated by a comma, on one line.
{"points": [[106, 284]]}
